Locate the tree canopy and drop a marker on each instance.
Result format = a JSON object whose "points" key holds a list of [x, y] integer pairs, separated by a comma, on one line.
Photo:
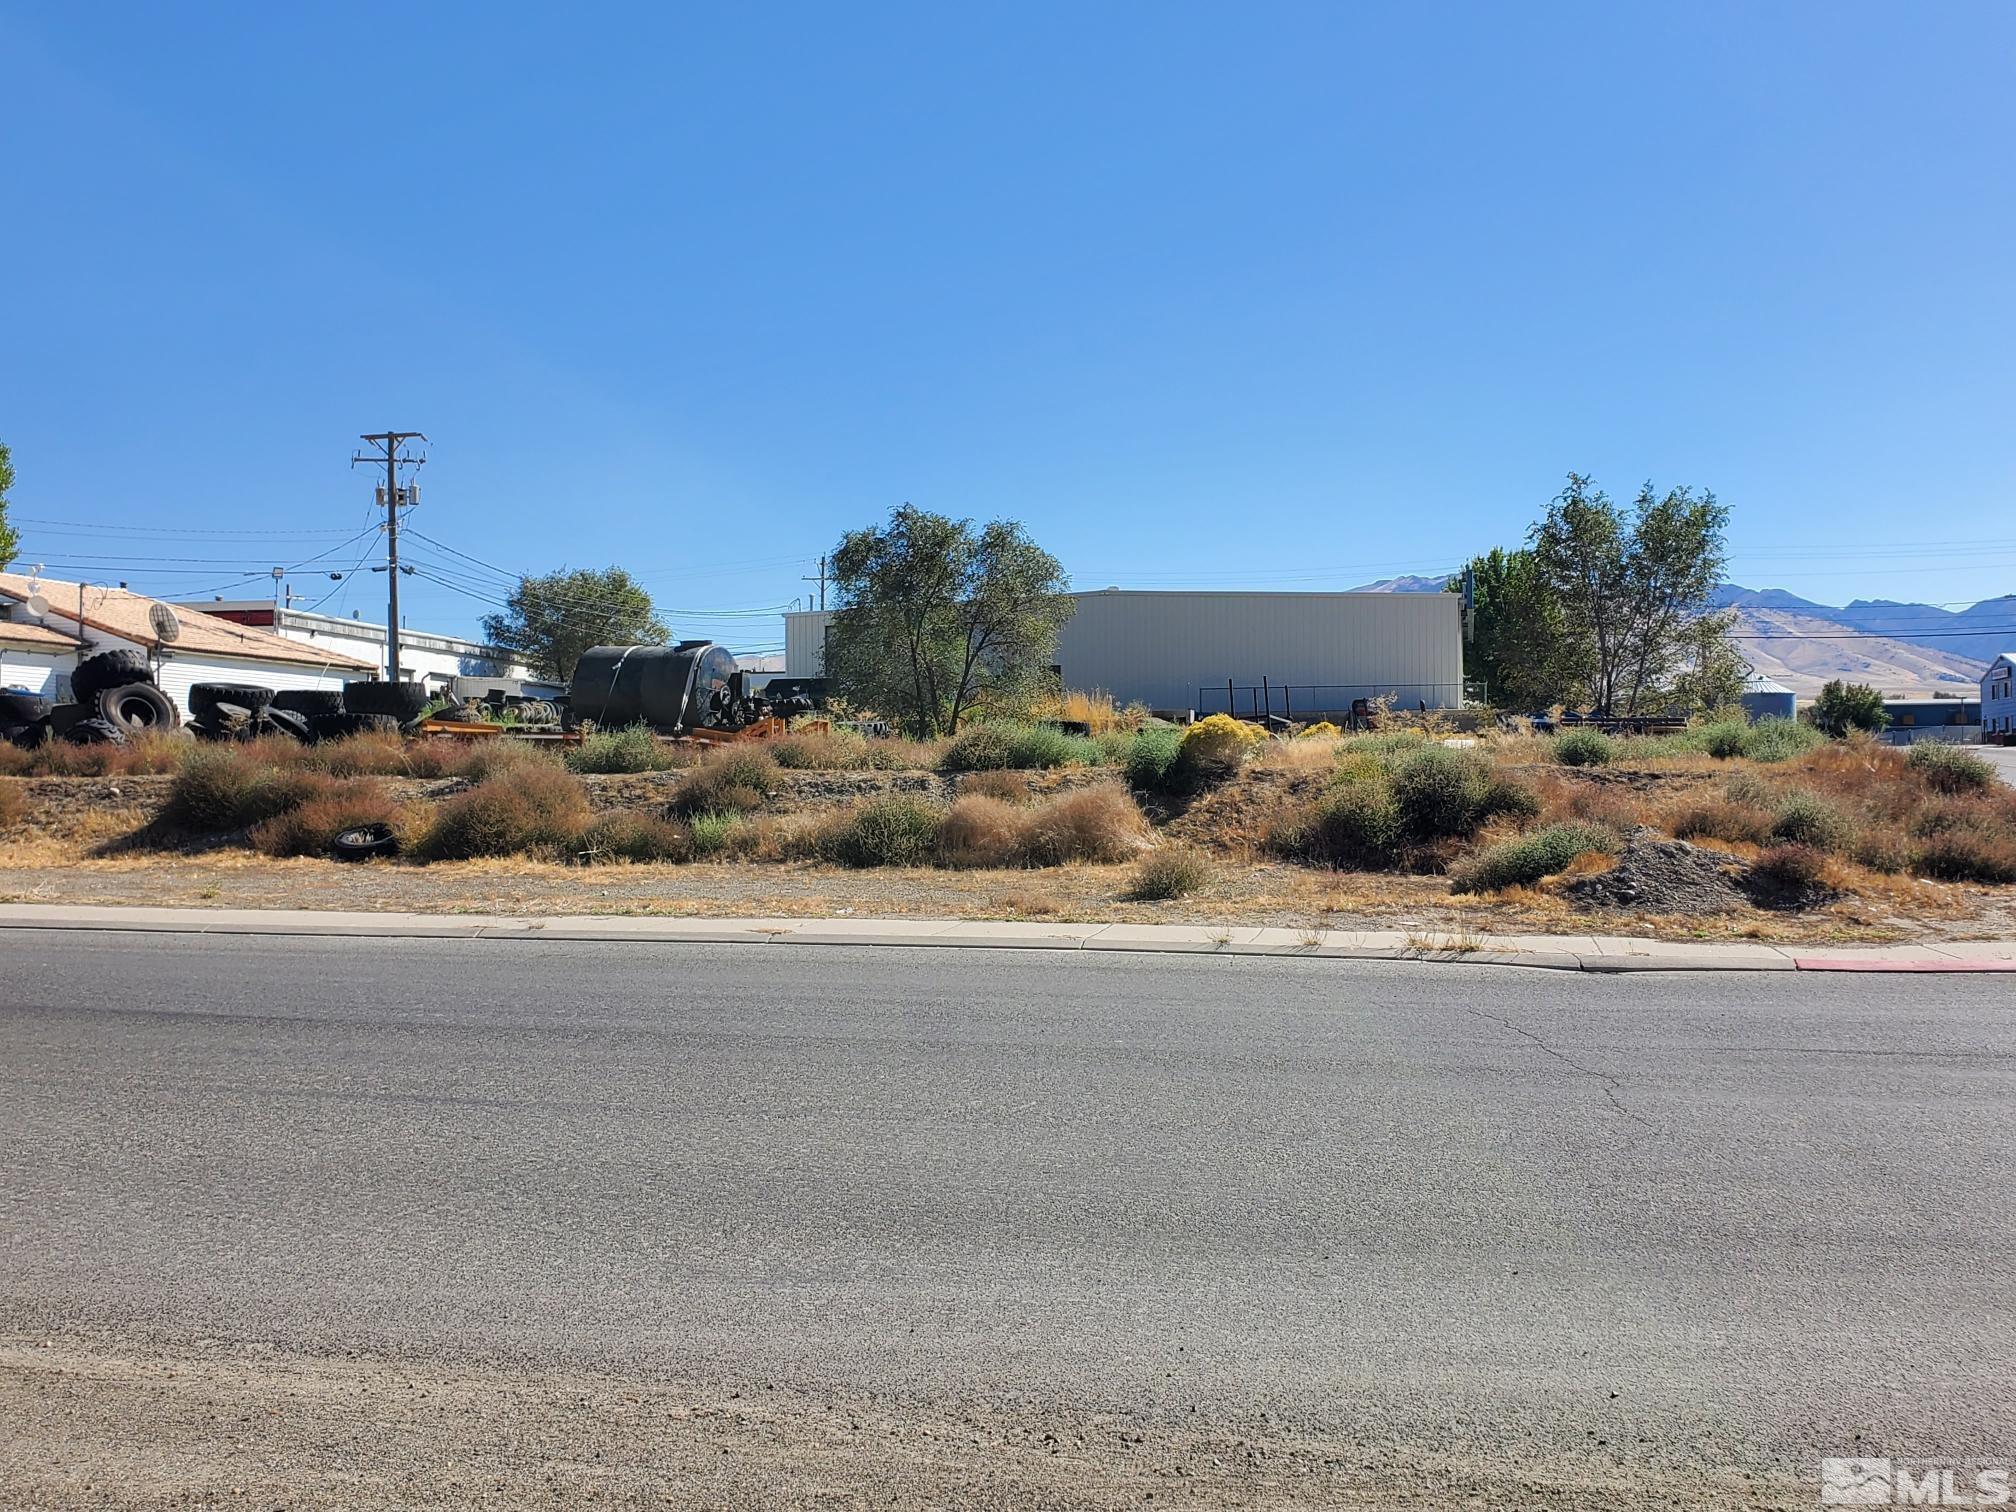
{"points": [[1516, 646], [939, 621], [10, 539], [1843, 706], [1632, 589], [551, 620]]}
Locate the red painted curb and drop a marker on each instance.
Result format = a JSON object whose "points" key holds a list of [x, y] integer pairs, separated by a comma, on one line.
{"points": [[1821, 963]]}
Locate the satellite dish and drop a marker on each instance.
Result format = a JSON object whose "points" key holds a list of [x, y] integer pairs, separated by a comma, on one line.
{"points": [[37, 605], [166, 626]]}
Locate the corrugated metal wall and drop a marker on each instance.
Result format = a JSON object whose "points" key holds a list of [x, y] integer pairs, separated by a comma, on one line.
{"points": [[1169, 650]]}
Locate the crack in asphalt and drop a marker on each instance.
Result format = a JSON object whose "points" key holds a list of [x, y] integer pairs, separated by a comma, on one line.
{"points": [[1609, 1082]]}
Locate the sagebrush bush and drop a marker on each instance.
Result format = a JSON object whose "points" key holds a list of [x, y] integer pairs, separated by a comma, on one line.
{"points": [[522, 809], [1506, 799], [1806, 818], [733, 780], [1092, 824], [1881, 848], [1381, 743], [1780, 740], [1171, 871], [718, 834], [894, 830], [1151, 757], [334, 805], [1580, 748], [1724, 739], [1948, 769], [219, 787], [626, 836], [633, 748], [1525, 860], [1356, 823], [980, 830], [1440, 792], [384, 753], [1001, 744]]}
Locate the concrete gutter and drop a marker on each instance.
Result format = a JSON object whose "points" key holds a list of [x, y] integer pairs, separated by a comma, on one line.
{"points": [[1604, 953]]}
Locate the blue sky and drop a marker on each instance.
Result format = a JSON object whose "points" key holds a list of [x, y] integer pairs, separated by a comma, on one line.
{"points": [[1215, 296]]}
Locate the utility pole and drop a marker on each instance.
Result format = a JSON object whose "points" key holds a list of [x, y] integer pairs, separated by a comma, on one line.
{"points": [[820, 580], [389, 448]]}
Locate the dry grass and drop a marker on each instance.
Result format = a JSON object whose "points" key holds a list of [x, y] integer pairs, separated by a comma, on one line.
{"points": [[732, 780], [980, 831], [151, 753], [1007, 786], [1306, 754], [14, 762], [1172, 871], [13, 804], [1092, 824]]}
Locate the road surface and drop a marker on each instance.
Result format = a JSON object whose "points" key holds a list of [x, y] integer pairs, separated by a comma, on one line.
{"points": [[365, 1222], [2002, 758]]}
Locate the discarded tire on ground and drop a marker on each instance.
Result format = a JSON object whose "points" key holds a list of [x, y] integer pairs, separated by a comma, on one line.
{"points": [[90, 732], [308, 701], [343, 726], [136, 707], [204, 698], [364, 842], [284, 722], [108, 669], [22, 708], [399, 700]]}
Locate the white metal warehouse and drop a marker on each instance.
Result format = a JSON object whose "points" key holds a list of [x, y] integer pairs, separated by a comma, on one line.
{"points": [[1300, 654]]}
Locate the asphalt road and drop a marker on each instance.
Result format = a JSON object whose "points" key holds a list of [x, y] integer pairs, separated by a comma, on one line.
{"points": [[2002, 758], [1700, 1221]]}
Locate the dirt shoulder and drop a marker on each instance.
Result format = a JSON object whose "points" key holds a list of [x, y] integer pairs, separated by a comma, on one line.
{"points": [[95, 1424]]}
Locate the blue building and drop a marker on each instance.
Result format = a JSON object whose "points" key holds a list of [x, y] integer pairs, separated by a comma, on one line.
{"points": [[1998, 706]]}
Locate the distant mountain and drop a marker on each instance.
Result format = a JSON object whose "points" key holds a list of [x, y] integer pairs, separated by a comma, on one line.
{"points": [[1406, 585]]}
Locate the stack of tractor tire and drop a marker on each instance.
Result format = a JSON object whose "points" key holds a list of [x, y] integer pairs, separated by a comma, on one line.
{"points": [[112, 699], [242, 711]]}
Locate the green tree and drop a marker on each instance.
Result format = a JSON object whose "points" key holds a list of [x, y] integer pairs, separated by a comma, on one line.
{"points": [[1515, 647], [938, 621], [551, 620], [1632, 587], [1844, 706], [10, 539]]}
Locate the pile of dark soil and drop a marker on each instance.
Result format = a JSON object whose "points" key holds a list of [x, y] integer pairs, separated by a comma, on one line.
{"points": [[1657, 875]]}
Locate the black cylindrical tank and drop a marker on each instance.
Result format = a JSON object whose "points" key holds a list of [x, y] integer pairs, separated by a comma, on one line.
{"points": [[667, 687]]}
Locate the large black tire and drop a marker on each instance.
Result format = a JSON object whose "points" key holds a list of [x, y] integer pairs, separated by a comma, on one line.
{"points": [[401, 700], [342, 726], [363, 842], [33, 734], [137, 707], [91, 732], [22, 708], [308, 701], [204, 698], [108, 669], [285, 722], [63, 715]]}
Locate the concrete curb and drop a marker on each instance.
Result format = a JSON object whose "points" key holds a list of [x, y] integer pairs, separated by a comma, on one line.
{"points": [[1594, 953]]}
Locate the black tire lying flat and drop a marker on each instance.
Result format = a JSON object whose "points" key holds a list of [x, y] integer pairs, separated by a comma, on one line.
{"points": [[343, 726], [22, 708], [137, 707], [108, 669], [364, 842], [399, 700], [205, 697], [306, 701], [90, 732]]}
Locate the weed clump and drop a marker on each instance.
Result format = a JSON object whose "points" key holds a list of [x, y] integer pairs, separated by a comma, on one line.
{"points": [[522, 809], [219, 788], [1807, 819], [312, 825], [1000, 744], [1092, 824], [1525, 860], [1151, 757], [633, 748], [731, 781], [624, 836], [1580, 748], [895, 830], [13, 805], [1170, 871], [1948, 769]]}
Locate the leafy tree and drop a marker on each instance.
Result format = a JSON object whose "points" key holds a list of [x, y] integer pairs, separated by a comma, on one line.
{"points": [[1843, 706], [551, 620], [1516, 639], [1632, 587], [1715, 672], [10, 539], [939, 621]]}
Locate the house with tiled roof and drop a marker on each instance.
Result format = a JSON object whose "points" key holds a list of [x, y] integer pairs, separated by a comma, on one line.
{"points": [[47, 625]]}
